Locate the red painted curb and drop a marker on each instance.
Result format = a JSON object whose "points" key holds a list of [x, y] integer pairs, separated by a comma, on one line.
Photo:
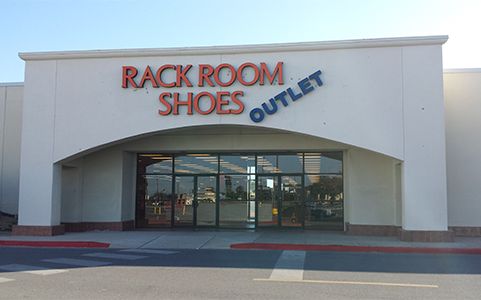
{"points": [[55, 244], [343, 248]]}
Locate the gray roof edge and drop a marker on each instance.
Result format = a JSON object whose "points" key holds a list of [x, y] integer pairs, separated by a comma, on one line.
{"points": [[304, 46]]}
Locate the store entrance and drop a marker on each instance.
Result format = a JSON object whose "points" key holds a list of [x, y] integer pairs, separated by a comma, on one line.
{"points": [[240, 190], [193, 204], [195, 200], [280, 201]]}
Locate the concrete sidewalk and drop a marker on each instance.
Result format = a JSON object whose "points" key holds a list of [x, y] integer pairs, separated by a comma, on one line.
{"points": [[223, 239]]}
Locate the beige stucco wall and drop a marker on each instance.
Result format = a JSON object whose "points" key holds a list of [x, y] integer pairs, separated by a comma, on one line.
{"points": [[11, 97], [96, 186], [371, 185]]}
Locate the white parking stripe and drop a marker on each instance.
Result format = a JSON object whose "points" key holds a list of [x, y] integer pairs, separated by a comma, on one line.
{"points": [[77, 262], [31, 269], [289, 266], [394, 284], [149, 251], [115, 256], [2, 279]]}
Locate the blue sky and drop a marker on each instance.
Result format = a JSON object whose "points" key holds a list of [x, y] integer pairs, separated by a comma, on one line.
{"points": [[48, 25]]}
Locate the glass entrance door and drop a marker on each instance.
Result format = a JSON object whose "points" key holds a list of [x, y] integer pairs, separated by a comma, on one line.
{"points": [[195, 200], [290, 198], [184, 201], [205, 200], [267, 201]]}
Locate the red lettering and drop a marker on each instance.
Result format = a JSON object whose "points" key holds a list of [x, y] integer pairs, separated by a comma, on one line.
{"points": [[197, 104], [158, 76], [238, 102], [205, 76], [128, 74], [221, 102], [241, 69], [168, 106], [178, 102], [182, 75], [217, 71], [148, 75], [271, 76]]}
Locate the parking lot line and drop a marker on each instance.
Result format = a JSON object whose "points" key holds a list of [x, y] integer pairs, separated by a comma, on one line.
{"points": [[289, 266], [31, 269], [2, 279], [372, 283]]}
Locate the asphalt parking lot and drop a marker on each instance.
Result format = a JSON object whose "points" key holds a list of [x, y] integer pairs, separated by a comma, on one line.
{"points": [[41, 273]]}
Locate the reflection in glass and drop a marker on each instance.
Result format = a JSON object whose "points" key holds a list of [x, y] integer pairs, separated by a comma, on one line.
{"points": [[290, 163], [157, 193], [155, 163], [327, 163], [291, 201], [237, 187], [196, 164], [267, 164], [206, 198], [324, 201], [242, 164], [236, 214], [267, 211], [237, 201], [184, 200]]}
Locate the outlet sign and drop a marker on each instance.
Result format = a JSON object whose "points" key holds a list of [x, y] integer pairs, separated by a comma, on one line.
{"points": [[223, 75]]}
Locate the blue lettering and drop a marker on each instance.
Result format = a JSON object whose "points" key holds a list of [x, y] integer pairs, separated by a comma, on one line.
{"points": [[271, 106], [305, 86], [257, 115], [317, 77], [293, 95], [282, 97], [267, 109]]}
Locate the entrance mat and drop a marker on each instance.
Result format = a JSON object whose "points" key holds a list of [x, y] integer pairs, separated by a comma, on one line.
{"points": [[55, 244], [345, 248]]}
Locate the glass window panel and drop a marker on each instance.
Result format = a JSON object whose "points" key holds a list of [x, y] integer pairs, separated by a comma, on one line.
{"points": [[237, 187], [158, 187], [291, 188], [155, 163], [290, 163], [291, 214], [237, 164], [236, 214], [324, 204], [291, 201], [327, 163], [157, 192], [184, 200], [267, 202], [267, 164], [196, 164], [206, 199]]}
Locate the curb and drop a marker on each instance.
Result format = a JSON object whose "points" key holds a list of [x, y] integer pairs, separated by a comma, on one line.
{"points": [[55, 244], [344, 248]]}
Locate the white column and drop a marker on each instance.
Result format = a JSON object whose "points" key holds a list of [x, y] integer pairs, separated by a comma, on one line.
{"points": [[40, 179], [424, 169]]}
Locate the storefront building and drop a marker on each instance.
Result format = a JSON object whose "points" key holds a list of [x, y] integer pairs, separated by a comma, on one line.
{"points": [[348, 136]]}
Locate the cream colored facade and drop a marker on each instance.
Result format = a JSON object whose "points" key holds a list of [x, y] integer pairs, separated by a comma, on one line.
{"points": [[381, 104]]}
